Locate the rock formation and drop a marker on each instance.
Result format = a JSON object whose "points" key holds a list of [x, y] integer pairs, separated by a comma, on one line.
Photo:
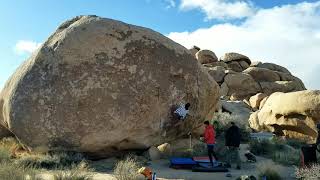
{"points": [[102, 87], [293, 114]]}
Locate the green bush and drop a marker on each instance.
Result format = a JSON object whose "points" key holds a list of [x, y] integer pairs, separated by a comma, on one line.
{"points": [[288, 157], [5, 154], [127, 169], [11, 171], [261, 147]]}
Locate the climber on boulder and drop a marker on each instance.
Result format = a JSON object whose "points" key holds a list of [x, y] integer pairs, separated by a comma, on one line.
{"points": [[182, 112]]}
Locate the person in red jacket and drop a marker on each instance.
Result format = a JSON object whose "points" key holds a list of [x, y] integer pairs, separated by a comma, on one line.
{"points": [[210, 140]]}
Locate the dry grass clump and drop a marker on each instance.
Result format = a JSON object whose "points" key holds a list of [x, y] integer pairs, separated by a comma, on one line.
{"points": [[269, 171], [79, 172], [58, 160], [11, 171], [127, 169]]}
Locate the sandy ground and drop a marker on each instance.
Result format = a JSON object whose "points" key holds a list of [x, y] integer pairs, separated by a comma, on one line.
{"points": [[161, 167]]}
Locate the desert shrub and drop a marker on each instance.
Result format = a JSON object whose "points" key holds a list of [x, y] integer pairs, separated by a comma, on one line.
{"points": [[5, 154], [287, 157], [79, 172], [60, 160], [312, 172], [261, 147], [269, 171], [11, 171], [127, 169]]}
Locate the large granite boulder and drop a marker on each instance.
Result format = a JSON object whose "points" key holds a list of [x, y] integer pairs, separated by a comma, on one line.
{"points": [[205, 56], [232, 56], [103, 87], [293, 114], [281, 86], [255, 100], [262, 74], [241, 85], [217, 73], [273, 67]]}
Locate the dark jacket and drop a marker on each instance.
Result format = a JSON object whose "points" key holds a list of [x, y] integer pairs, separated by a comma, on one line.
{"points": [[233, 136]]}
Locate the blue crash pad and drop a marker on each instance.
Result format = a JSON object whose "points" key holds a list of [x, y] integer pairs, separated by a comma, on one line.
{"points": [[182, 161]]}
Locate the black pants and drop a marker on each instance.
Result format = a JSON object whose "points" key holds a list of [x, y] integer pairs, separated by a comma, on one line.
{"points": [[211, 153]]}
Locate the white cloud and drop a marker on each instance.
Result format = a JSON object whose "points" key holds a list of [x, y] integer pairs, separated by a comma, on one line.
{"points": [[220, 9], [26, 47], [171, 4], [286, 35]]}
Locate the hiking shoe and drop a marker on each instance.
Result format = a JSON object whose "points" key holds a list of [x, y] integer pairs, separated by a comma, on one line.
{"points": [[228, 175]]}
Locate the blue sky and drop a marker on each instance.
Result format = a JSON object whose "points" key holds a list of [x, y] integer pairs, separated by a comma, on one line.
{"points": [[34, 20]]}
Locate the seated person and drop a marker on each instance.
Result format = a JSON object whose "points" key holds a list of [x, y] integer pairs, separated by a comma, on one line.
{"points": [[182, 111]]}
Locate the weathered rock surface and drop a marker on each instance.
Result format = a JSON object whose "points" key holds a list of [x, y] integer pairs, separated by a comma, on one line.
{"points": [[273, 67], [241, 85], [206, 56], [93, 87], [281, 86], [4, 132], [217, 73], [214, 64], [256, 99], [293, 114], [194, 50], [232, 56], [235, 66], [262, 74]]}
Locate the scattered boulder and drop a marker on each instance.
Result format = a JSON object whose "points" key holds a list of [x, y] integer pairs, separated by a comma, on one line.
{"points": [[165, 148], [244, 64], [262, 74], [273, 67], [256, 99], [217, 73], [218, 63], [255, 63], [206, 56], [4, 132], [232, 56], [96, 78], [281, 86], [224, 89], [235, 66], [154, 153], [241, 85], [194, 50], [293, 114]]}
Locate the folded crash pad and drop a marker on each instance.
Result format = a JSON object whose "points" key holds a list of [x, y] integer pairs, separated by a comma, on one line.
{"points": [[182, 163]]}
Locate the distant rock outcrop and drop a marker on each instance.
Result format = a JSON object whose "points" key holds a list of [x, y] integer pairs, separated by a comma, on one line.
{"points": [[103, 87], [293, 114]]}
